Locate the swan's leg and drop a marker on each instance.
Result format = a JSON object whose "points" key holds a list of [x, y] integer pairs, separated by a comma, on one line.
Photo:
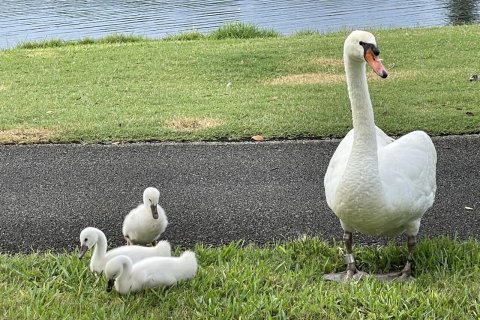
{"points": [[407, 270], [129, 242], [352, 272], [406, 273], [349, 259]]}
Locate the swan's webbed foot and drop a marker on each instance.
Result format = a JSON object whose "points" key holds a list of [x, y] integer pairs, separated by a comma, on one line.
{"points": [[345, 276], [406, 273]]}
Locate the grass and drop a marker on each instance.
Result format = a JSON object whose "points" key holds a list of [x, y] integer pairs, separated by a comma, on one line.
{"points": [[55, 43], [274, 282], [239, 30], [279, 87]]}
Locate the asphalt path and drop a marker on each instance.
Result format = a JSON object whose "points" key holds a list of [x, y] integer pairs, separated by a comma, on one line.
{"points": [[213, 193]]}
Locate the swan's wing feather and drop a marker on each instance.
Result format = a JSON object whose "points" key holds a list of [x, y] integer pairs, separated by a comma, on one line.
{"points": [[408, 170], [160, 279], [382, 138], [336, 167]]}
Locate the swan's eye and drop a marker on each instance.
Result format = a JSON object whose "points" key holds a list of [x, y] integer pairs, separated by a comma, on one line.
{"points": [[371, 46], [86, 239]]}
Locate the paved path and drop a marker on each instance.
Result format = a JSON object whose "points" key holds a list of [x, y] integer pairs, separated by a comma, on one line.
{"points": [[212, 192]]}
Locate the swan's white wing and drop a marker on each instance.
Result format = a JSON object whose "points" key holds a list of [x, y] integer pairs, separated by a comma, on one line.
{"points": [[338, 162], [135, 253], [382, 138], [336, 167], [132, 221], [160, 279], [408, 172]]}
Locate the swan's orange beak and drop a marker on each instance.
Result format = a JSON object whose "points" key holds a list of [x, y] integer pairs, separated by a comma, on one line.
{"points": [[375, 62]]}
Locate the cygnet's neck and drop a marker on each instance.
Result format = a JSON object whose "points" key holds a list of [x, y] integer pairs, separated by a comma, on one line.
{"points": [[101, 247], [123, 281]]}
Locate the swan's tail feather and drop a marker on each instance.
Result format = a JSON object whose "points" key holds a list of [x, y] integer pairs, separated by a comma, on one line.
{"points": [[164, 249], [189, 263]]}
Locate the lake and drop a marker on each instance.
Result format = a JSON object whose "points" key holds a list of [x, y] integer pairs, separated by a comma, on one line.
{"points": [[34, 20]]}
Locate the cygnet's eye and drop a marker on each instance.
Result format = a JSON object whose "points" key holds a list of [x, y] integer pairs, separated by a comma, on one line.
{"points": [[86, 239]]}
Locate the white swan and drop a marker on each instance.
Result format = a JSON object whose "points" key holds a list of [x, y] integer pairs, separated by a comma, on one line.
{"points": [[144, 224], [149, 273], [90, 237], [375, 184]]}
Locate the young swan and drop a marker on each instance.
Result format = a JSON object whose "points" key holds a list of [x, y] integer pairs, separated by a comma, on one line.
{"points": [[90, 237], [149, 273], [144, 224]]}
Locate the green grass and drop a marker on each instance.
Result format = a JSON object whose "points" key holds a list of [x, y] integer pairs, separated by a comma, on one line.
{"points": [[240, 30], [232, 89], [273, 282], [54, 43]]}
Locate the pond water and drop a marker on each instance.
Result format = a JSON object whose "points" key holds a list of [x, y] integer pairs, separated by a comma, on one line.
{"points": [[29, 20]]}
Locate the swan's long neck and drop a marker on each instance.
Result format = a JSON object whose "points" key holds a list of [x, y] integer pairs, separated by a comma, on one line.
{"points": [[361, 173], [365, 141]]}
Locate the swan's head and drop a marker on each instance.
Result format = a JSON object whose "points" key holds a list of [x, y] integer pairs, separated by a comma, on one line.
{"points": [[151, 197], [88, 238], [114, 268], [361, 46]]}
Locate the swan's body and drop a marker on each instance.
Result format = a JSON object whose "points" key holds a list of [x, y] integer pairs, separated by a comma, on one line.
{"points": [[144, 224], [375, 184], [396, 199], [90, 237], [149, 273]]}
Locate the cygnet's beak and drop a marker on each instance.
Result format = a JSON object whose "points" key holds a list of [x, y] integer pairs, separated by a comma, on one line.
{"points": [[154, 211], [83, 250], [375, 62], [110, 284]]}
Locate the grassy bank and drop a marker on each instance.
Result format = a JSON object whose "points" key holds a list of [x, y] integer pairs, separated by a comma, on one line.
{"points": [[277, 282], [214, 88]]}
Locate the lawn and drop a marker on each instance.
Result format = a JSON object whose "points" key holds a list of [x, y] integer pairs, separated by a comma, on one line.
{"points": [[232, 89], [282, 281]]}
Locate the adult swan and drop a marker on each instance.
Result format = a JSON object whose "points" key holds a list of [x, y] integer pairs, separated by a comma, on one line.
{"points": [[374, 184]]}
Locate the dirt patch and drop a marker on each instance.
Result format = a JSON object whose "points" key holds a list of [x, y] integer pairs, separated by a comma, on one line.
{"points": [[33, 135], [41, 53], [192, 124], [330, 78], [308, 78]]}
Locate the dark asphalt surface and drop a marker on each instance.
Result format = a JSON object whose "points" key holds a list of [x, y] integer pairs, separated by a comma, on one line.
{"points": [[212, 192]]}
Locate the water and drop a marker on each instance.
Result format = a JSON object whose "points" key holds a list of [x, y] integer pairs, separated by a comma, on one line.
{"points": [[29, 20]]}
